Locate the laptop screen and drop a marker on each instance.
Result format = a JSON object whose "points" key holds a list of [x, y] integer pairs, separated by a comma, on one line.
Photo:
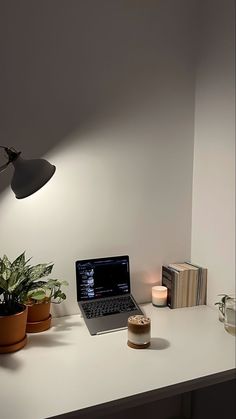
{"points": [[105, 277]]}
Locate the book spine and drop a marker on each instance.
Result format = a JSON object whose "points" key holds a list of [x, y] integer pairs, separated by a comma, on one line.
{"points": [[199, 287], [182, 282], [204, 286], [185, 289], [186, 284], [169, 281], [202, 295]]}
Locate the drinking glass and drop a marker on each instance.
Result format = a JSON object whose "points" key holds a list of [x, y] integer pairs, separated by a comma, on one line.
{"points": [[230, 315]]}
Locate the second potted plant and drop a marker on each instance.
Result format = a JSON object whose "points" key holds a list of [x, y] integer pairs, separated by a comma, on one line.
{"points": [[38, 298]]}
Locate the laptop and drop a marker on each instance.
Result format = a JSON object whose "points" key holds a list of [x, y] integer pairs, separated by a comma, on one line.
{"points": [[103, 293]]}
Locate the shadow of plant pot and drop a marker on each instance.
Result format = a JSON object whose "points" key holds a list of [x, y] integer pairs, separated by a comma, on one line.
{"points": [[13, 330], [39, 317]]}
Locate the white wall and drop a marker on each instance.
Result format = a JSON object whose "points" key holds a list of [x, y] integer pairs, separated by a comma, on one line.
{"points": [[106, 92], [213, 213]]}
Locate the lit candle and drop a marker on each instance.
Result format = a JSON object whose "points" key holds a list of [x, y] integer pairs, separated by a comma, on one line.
{"points": [[159, 296]]}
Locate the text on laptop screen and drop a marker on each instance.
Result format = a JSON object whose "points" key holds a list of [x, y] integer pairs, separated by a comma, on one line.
{"points": [[99, 278]]}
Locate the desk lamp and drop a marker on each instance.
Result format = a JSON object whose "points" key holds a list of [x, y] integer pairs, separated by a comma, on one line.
{"points": [[29, 175]]}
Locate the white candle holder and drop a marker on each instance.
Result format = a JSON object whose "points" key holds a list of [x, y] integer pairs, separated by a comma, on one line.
{"points": [[159, 296]]}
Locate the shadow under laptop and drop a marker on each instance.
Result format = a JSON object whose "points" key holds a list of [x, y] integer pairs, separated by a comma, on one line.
{"points": [[158, 344]]}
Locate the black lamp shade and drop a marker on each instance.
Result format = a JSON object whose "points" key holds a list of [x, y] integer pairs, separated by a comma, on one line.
{"points": [[30, 175]]}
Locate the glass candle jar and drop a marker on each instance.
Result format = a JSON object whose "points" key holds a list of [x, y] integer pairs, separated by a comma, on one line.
{"points": [[159, 296], [230, 315], [139, 331]]}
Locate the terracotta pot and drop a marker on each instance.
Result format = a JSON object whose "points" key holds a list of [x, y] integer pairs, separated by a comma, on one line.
{"points": [[13, 331], [39, 317]]}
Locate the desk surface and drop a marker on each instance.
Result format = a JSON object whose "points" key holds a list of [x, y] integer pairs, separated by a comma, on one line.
{"points": [[65, 369]]}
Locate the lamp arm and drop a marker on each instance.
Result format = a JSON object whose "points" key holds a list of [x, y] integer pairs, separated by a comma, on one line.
{"points": [[2, 168], [5, 148], [12, 155]]}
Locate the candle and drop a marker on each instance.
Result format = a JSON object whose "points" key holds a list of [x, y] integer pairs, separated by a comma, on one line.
{"points": [[159, 296]]}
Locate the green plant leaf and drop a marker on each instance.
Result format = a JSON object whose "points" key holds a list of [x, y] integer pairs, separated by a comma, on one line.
{"points": [[66, 283], [38, 294], [19, 262], [13, 279], [6, 274], [2, 266], [53, 282], [19, 281], [3, 284], [6, 262], [5, 268], [38, 271]]}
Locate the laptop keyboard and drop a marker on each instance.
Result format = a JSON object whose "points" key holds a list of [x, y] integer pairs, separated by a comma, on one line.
{"points": [[116, 305]]}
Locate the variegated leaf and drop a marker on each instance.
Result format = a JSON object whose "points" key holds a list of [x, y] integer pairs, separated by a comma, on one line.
{"points": [[6, 262], [38, 271], [21, 279], [3, 284], [19, 262], [13, 279], [6, 274]]}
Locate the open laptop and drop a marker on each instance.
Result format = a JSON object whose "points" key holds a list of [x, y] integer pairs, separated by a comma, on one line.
{"points": [[103, 293]]}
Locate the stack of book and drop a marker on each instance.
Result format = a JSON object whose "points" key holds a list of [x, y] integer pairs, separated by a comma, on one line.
{"points": [[186, 284]]}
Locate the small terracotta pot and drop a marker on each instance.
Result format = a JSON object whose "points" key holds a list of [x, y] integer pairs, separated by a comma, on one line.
{"points": [[39, 317], [13, 331]]}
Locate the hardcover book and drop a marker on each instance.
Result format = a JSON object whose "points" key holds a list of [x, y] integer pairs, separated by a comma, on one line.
{"points": [[186, 284]]}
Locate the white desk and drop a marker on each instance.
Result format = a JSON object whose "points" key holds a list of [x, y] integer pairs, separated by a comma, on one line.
{"points": [[65, 369]]}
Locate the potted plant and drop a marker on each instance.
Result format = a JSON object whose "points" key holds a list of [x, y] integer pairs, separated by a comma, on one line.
{"points": [[20, 285], [13, 314], [38, 298], [221, 306]]}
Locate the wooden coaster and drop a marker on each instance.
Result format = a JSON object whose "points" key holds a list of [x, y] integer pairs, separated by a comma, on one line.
{"points": [[36, 327], [135, 346], [6, 349]]}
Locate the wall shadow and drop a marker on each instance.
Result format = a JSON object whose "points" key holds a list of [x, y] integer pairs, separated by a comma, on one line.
{"points": [[68, 67]]}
